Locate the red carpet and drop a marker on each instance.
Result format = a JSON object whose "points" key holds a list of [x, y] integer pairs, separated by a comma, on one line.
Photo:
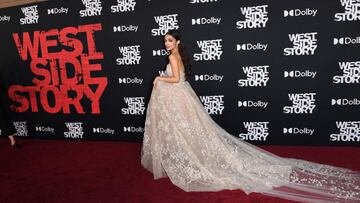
{"points": [[59, 171]]}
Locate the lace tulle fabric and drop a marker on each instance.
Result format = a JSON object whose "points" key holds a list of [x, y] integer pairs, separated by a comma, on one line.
{"points": [[182, 142]]}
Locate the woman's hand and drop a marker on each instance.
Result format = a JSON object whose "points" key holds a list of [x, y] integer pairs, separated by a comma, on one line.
{"points": [[156, 80]]}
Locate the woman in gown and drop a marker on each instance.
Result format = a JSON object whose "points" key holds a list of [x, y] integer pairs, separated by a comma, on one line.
{"points": [[182, 142]]}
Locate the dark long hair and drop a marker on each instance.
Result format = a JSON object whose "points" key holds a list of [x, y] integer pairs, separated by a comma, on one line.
{"points": [[183, 53]]}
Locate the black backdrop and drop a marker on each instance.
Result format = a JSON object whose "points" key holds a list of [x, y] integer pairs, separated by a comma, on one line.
{"points": [[269, 72]]}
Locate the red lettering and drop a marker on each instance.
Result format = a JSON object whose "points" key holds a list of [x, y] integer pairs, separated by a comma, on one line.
{"points": [[26, 45], [70, 42], [65, 79], [41, 71], [64, 74], [89, 30], [46, 43], [45, 102], [66, 100]]}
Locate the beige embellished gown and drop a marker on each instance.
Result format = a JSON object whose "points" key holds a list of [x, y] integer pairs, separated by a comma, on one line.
{"points": [[182, 142]]}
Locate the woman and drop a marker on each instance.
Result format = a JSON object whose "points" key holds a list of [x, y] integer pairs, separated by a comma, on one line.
{"points": [[182, 142], [7, 128]]}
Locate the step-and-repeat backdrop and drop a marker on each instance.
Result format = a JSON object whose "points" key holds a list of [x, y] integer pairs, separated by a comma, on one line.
{"points": [[269, 72]]}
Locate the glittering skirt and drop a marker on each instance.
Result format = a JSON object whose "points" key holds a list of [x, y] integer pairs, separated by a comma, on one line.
{"points": [[183, 143]]}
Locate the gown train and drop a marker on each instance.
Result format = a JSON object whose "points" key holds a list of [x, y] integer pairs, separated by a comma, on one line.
{"points": [[182, 142]]}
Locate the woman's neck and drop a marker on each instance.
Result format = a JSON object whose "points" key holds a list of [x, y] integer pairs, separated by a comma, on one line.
{"points": [[175, 51]]}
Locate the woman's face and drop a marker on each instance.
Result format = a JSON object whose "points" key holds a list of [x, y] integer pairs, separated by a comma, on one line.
{"points": [[170, 42]]}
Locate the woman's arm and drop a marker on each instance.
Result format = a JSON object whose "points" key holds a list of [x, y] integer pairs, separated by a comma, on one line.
{"points": [[175, 78]]}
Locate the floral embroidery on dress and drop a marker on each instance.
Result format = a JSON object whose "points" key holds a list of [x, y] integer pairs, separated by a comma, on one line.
{"points": [[182, 142]]}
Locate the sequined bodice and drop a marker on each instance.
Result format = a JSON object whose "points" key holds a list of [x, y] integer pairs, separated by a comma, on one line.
{"points": [[169, 72]]}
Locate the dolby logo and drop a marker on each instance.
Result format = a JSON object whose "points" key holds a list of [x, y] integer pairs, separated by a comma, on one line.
{"points": [[345, 102], [161, 52], [207, 77], [5, 18], [299, 12], [299, 74], [124, 28], [103, 130], [44, 129], [52, 11], [305, 131], [130, 81], [203, 21], [346, 40], [249, 104], [134, 129], [249, 47]]}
